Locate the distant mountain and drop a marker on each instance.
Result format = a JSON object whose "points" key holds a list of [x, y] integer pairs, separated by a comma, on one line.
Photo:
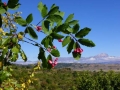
{"points": [[102, 58]]}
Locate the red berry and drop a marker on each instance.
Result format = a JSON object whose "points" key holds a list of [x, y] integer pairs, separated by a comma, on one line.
{"points": [[50, 62], [60, 40], [38, 28], [78, 50], [54, 47]]}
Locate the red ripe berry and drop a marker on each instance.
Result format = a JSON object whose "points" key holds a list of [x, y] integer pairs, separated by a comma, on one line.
{"points": [[60, 40], [38, 28], [55, 62], [78, 50], [49, 61], [54, 47]]}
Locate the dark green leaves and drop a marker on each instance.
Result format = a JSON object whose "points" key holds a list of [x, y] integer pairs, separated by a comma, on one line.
{"points": [[29, 18], [2, 10], [76, 28], [76, 55], [86, 42], [55, 53], [44, 11], [41, 56], [53, 10], [45, 26], [31, 32], [70, 46], [66, 41], [21, 21], [56, 36], [12, 3], [69, 18], [55, 18], [73, 22], [83, 32], [22, 54]]}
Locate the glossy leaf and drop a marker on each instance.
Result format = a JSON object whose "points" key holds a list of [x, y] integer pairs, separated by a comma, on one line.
{"points": [[12, 3], [20, 21], [41, 56], [83, 32], [70, 46], [69, 18], [15, 50], [76, 55], [55, 18], [56, 36], [76, 28], [2, 10], [86, 42], [23, 55], [40, 6], [44, 11], [66, 41], [53, 10], [31, 32], [29, 18], [55, 53], [45, 26], [73, 22]]}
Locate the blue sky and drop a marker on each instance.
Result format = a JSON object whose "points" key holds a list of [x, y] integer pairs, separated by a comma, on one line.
{"points": [[102, 16]]}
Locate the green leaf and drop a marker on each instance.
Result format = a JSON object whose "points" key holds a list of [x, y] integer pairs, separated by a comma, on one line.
{"points": [[70, 46], [29, 18], [62, 27], [2, 10], [20, 21], [86, 42], [66, 41], [23, 55], [0, 21], [45, 42], [55, 53], [12, 3], [73, 22], [55, 18], [76, 55], [49, 57], [83, 32], [76, 45], [31, 32], [53, 6], [56, 36], [5, 41], [53, 10], [40, 6], [45, 26], [41, 56], [76, 28], [15, 50], [60, 13], [15, 40], [69, 18], [14, 57], [44, 11]]}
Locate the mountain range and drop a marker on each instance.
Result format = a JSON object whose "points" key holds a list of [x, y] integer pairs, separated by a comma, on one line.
{"points": [[101, 58]]}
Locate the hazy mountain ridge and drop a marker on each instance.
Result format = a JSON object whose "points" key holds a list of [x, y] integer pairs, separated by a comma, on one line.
{"points": [[102, 58]]}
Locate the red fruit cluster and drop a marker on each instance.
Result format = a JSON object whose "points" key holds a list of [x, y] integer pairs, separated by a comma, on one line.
{"points": [[60, 40], [53, 63], [38, 28], [78, 50]]}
